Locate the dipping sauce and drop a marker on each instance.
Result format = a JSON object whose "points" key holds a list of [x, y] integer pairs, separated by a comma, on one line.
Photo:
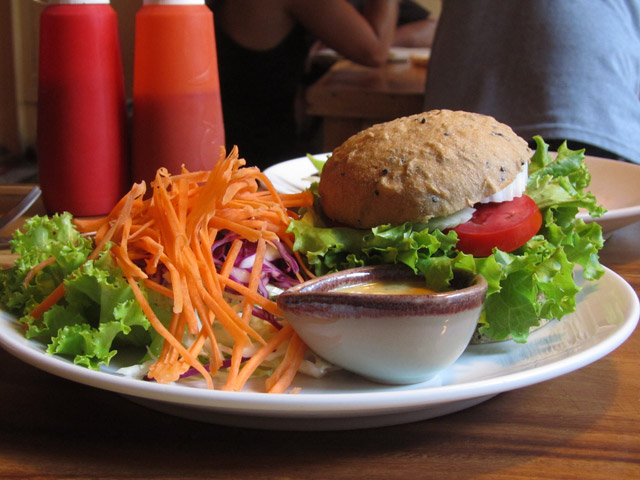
{"points": [[390, 287]]}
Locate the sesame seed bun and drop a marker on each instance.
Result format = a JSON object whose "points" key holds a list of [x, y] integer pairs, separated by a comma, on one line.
{"points": [[418, 167]]}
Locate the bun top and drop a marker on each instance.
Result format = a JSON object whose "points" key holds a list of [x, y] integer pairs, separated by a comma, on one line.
{"points": [[414, 168]]}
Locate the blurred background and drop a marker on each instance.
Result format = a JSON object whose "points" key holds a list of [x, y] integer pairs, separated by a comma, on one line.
{"points": [[19, 25]]}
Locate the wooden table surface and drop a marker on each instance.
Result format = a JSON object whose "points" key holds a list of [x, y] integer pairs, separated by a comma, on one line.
{"points": [[352, 97], [583, 425]]}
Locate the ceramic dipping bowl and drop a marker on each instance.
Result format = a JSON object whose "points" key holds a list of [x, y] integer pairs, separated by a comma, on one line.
{"points": [[393, 338]]}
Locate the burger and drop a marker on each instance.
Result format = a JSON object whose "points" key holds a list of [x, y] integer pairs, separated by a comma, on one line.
{"points": [[421, 167], [450, 189]]}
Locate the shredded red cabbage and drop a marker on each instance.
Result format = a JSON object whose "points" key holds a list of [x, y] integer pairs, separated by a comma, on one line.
{"points": [[278, 270]]}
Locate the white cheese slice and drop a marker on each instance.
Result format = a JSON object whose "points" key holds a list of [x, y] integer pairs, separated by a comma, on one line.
{"points": [[513, 190]]}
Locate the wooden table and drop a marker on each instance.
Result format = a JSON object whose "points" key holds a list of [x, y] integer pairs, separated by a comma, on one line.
{"points": [[584, 425], [352, 97]]}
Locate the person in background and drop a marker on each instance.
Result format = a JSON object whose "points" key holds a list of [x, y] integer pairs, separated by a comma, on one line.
{"points": [[262, 49], [561, 69], [416, 25]]}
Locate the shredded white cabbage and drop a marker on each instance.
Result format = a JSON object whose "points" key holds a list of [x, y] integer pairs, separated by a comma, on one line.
{"points": [[513, 190], [450, 221], [137, 371], [316, 367]]}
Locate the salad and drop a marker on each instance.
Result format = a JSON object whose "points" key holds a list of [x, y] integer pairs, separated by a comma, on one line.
{"points": [[186, 274]]}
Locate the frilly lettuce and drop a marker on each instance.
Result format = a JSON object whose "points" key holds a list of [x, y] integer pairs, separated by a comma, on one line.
{"points": [[98, 314], [532, 283]]}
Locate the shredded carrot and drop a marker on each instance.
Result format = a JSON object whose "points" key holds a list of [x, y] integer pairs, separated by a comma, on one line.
{"points": [[297, 199], [87, 225], [41, 266], [155, 286], [53, 298], [232, 255], [281, 378], [162, 239], [252, 364], [302, 264], [256, 272], [259, 300], [234, 368]]}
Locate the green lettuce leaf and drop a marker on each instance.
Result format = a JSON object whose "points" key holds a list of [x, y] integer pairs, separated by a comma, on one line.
{"points": [[333, 249], [319, 164], [40, 239], [559, 183], [98, 314]]}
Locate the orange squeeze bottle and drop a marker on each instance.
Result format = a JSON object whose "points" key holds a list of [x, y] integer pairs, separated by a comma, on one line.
{"points": [[177, 112]]}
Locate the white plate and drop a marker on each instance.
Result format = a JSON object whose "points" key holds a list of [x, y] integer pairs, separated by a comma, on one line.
{"points": [[607, 314], [293, 176], [614, 183]]}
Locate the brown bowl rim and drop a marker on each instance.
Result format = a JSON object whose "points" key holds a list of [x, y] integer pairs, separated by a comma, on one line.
{"points": [[314, 295]]}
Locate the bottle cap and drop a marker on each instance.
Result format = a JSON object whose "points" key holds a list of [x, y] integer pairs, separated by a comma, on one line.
{"points": [[173, 2]]}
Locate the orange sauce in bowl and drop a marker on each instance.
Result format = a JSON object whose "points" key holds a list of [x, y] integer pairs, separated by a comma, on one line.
{"points": [[387, 288]]}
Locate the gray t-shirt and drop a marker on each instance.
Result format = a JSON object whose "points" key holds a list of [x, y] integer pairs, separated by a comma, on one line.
{"points": [[562, 69]]}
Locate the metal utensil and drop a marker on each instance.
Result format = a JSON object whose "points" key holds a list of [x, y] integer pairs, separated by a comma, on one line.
{"points": [[21, 208]]}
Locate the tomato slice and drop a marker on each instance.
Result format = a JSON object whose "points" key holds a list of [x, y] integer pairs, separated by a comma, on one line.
{"points": [[506, 225]]}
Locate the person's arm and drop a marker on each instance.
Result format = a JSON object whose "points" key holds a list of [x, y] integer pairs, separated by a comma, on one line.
{"points": [[416, 34], [362, 38]]}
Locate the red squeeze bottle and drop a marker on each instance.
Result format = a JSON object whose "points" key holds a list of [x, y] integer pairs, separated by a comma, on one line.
{"points": [[177, 112], [81, 108]]}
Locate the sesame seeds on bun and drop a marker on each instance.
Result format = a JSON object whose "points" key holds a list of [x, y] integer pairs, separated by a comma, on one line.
{"points": [[418, 167]]}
